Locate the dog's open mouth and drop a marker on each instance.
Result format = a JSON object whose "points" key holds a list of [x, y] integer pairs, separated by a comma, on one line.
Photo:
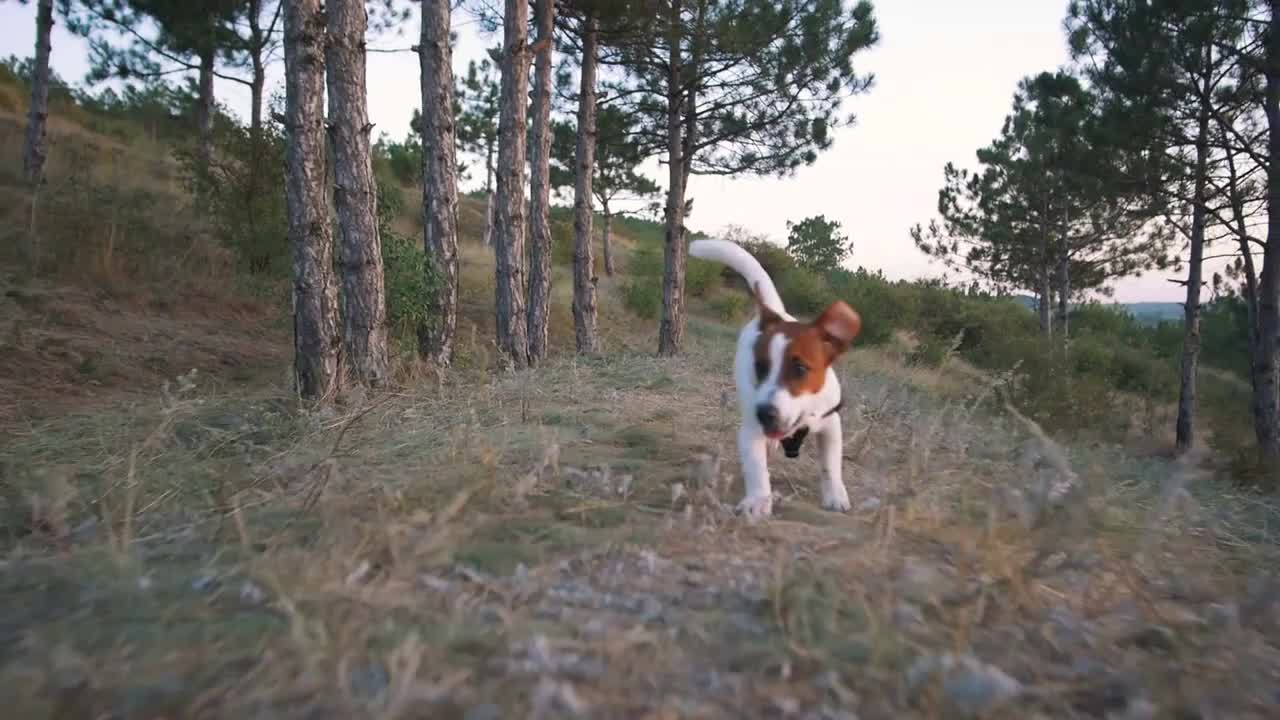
{"points": [[776, 434]]}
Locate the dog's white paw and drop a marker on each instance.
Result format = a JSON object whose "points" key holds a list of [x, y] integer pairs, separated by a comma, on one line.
{"points": [[756, 507], [836, 502]]}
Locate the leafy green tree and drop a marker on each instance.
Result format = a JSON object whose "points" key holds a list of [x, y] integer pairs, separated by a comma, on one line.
{"points": [[476, 98], [1052, 210], [161, 37], [817, 243], [1160, 68], [617, 178], [730, 88]]}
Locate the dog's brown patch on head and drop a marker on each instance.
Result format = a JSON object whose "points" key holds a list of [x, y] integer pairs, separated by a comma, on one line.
{"points": [[810, 348]]}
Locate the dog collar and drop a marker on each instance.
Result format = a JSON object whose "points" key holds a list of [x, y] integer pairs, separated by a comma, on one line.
{"points": [[791, 443]]}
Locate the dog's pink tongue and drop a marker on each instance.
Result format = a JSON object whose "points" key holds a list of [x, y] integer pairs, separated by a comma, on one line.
{"points": [[775, 435]]}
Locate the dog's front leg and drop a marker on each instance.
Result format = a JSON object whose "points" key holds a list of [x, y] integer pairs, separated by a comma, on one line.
{"points": [[830, 444], [753, 452]]}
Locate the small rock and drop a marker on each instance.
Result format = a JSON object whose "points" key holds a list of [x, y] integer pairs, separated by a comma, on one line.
{"points": [[145, 582], [871, 504], [204, 582], [831, 682], [1137, 709], [1154, 638], [785, 705], [361, 573], [1224, 616], [251, 594], [483, 711], [368, 681], [969, 685], [908, 615], [920, 582], [552, 699]]}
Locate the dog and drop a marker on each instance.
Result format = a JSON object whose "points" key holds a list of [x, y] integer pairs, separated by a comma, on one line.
{"points": [[787, 388]]}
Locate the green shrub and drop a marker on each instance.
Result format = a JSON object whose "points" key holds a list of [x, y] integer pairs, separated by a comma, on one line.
{"points": [[731, 307], [562, 244], [643, 297], [408, 289], [243, 194], [700, 276]]}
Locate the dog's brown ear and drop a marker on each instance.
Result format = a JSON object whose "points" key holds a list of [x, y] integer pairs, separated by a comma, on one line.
{"points": [[839, 324], [768, 318]]}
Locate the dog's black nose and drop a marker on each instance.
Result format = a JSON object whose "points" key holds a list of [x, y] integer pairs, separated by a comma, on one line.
{"points": [[768, 416]]}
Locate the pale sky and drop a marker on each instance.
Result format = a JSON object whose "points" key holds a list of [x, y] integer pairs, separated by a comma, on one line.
{"points": [[945, 74]]}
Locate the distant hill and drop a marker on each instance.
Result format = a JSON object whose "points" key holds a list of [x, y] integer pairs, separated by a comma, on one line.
{"points": [[1147, 313]]}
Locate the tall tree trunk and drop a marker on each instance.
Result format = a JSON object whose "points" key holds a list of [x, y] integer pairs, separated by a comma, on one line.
{"points": [[487, 238], [584, 282], [439, 183], [1184, 427], [1268, 390], [671, 329], [315, 293], [540, 187], [606, 238], [508, 235], [204, 111], [258, 82], [1250, 284], [1063, 278], [691, 98], [364, 303], [36, 149], [1045, 291]]}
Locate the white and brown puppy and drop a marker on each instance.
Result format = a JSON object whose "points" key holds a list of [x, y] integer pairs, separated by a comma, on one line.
{"points": [[787, 388]]}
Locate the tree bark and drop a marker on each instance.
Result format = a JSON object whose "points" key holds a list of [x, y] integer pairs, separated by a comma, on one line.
{"points": [[671, 328], [1064, 289], [364, 304], [1045, 303], [204, 111], [1268, 389], [36, 149], [258, 83], [487, 238], [508, 235], [439, 183], [606, 238], [584, 282], [539, 311], [315, 296], [1250, 284], [1184, 426]]}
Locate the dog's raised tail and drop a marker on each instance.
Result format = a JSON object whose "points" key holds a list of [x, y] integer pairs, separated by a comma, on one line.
{"points": [[744, 263]]}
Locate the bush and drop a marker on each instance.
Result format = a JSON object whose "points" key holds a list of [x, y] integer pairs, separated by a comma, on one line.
{"points": [[700, 276], [643, 297], [731, 307], [244, 196], [408, 290]]}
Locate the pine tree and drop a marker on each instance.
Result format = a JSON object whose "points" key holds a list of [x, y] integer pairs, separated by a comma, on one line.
{"points": [[1053, 210], [509, 231], [617, 183], [439, 182], [364, 311], [477, 124], [817, 243], [735, 87], [539, 309], [315, 294]]}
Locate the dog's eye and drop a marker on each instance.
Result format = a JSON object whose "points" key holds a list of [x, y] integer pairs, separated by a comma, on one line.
{"points": [[799, 368], [762, 369]]}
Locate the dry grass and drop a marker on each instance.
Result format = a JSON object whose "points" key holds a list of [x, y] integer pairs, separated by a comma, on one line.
{"points": [[561, 539]]}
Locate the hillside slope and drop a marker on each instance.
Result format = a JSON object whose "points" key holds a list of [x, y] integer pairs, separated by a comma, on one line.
{"points": [[561, 542]]}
